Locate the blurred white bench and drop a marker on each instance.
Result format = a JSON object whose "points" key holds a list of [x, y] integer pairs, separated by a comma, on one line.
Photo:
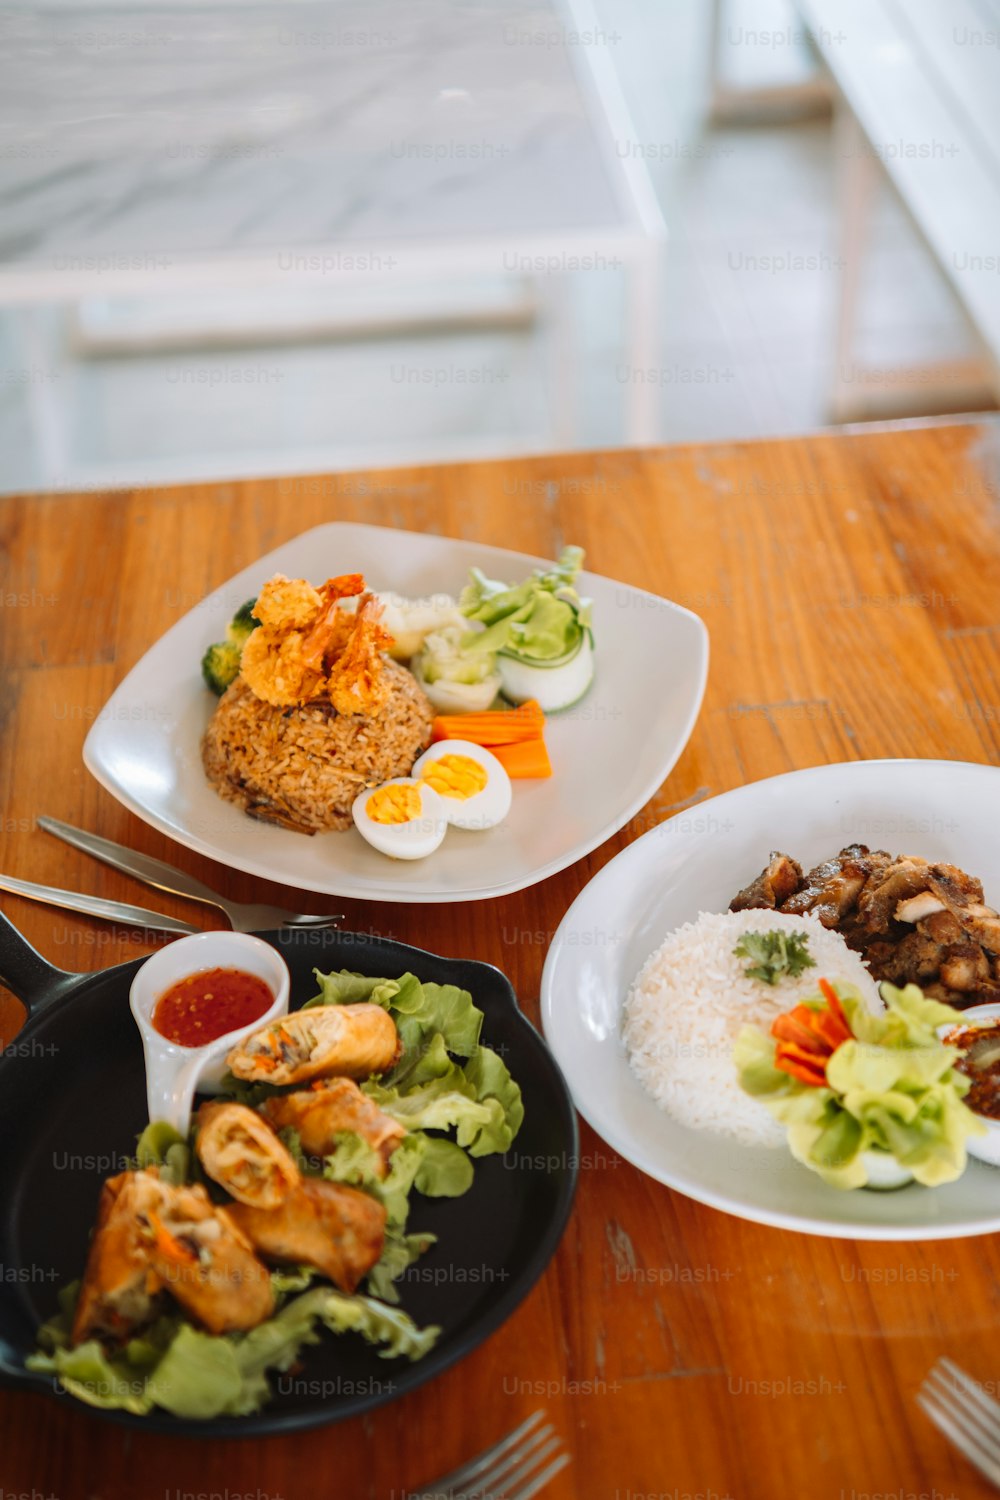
{"points": [[918, 85]]}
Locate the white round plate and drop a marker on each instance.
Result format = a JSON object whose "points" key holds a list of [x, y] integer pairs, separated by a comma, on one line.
{"points": [[609, 753], [697, 861]]}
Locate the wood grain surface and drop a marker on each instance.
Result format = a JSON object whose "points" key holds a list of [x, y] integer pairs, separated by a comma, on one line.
{"points": [[851, 585]]}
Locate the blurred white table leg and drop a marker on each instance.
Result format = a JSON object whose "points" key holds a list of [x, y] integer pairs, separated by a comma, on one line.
{"points": [[857, 180], [759, 104], [562, 354], [643, 341], [859, 392]]}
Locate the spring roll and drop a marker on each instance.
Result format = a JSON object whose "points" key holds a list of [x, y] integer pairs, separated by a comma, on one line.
{"points": [[120, 1291], [241, 1153], [320, 1113], [339, 1230], [207, 1264], [348, 1041]]}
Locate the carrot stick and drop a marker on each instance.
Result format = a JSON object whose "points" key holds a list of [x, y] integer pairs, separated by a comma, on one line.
{"points": [[529, 758], [493, 727]]}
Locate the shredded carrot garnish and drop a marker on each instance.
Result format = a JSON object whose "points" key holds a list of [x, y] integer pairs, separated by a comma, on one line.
{"points": [[808, 1038]]}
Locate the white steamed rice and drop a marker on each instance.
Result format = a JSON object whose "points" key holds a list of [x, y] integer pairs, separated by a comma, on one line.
{"points": [[690, 1000]]}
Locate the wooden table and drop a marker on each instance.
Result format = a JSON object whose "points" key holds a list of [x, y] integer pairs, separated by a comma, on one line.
{"points": [[850, 584]]}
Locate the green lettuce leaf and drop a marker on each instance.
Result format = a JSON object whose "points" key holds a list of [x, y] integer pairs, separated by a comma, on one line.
{"points": [[480, 1125], [377, 1324], [399, 1253], [94, 1377], [437, 1010], [490, 1078], [346, 988], [445, 1171], [160, 1145], [198, 1375], [893, 1088], [541, 619], [479, 1100], [355, 1162]]}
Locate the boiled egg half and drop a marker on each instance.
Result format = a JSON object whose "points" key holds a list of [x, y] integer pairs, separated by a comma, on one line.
{"points": [[404, 818], [472, 785]]}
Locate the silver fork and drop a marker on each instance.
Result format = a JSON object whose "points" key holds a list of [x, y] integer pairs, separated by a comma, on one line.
{"points": [[244, 916], [965, 1414], [507, 1471]]}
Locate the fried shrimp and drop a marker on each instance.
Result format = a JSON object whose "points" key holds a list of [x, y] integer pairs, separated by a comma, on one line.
{"points": [[357, 681], [308, 648]]}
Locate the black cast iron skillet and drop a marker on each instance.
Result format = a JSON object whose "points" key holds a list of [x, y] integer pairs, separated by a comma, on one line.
{"points": [[72, 1101]]}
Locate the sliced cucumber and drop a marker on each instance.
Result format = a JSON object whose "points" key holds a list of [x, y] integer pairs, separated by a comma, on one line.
{"points": [[457, 697], [553, 684], [884, 1172]]}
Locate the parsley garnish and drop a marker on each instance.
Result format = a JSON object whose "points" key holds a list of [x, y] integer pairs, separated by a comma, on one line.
{"points": [[773, 954]]}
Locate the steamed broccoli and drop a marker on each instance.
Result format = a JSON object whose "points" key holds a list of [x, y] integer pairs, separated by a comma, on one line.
{"points": [[220, 666], [221, 663], [243, 623]]}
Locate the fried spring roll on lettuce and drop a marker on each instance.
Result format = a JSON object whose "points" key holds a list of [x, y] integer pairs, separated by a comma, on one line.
{"points": [[241, 1153], [339, 1230], [207, 1264], [348, 1041], [120, 1290], [320, 1113]]}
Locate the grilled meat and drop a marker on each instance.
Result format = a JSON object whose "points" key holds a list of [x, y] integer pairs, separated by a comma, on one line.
{"points": [[966, 906], [831, 890], [781, 879], [917, 908], [913, 922], [964, 966], [900, 880]]}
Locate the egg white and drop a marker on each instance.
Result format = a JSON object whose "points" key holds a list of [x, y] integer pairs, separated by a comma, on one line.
{"points": [[413, 840], [484, 809]]}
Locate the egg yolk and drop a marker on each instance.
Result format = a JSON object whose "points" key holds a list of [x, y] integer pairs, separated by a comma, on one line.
{"points": [[455, 776], [394, 804]]}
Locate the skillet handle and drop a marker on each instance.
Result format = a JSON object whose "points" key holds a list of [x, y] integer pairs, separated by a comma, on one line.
{"points": [[26, 973]]}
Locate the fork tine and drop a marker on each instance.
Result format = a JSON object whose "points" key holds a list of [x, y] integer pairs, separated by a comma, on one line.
{"points": [[541, 1480], [967, 1428], [964, 1418], [516, 1466], [958, 1437], [449, 1483], [989, 1408], [984, 1431]]}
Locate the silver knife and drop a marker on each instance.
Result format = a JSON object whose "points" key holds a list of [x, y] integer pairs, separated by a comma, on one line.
{"points": [[154, 872], [95, 906]]}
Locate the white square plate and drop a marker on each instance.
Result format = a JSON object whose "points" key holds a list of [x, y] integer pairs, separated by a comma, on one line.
{"points": [[609, 754]]}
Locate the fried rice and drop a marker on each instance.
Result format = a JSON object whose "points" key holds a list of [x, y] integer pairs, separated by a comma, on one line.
{"points": [[303, 767]]}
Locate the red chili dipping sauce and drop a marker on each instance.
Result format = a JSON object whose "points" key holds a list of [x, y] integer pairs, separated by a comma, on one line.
{"points": [[205, 1006]]}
